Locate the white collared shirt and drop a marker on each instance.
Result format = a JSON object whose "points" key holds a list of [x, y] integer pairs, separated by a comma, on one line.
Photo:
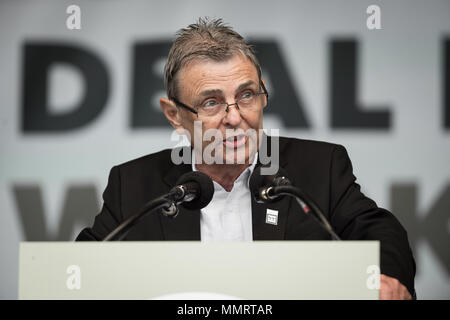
{"points": [[228, 217]]}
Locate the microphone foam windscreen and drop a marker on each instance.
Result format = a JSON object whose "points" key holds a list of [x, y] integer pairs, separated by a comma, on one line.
{"points": [[205, 189]]}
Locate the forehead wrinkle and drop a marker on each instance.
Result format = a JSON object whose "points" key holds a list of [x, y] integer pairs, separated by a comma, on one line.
{"points": [[203, 83], [212, 83]]}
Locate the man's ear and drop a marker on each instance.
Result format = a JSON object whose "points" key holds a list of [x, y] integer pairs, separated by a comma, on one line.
{"points": [[172, 113]]}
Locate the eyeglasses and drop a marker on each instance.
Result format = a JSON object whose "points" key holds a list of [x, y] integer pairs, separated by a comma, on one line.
{"points": [[246, 100]]}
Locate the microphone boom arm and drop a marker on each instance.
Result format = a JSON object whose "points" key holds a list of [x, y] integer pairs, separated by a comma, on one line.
{"points": [[303, 200], [121, 231], [194, 190]]}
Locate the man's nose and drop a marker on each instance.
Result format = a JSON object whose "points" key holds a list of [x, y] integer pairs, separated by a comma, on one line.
{"points": [[233, 115]]}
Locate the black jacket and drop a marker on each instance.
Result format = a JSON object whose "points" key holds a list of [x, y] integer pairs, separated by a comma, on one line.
{"points": [[322, 170]]}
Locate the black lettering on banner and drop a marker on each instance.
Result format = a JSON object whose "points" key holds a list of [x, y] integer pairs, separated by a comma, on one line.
{"points": [[286, 102], [433, 227], [345, 112], [80, 205], [147, 83], [38, 57]]}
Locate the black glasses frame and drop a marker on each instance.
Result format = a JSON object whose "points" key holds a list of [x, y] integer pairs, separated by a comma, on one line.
{"points": [[229, 104]]}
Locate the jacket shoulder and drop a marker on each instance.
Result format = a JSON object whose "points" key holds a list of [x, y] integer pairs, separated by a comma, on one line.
{"points": [[154, 161], [306, 148]]}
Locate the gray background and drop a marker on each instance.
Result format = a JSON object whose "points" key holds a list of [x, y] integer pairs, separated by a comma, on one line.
{"points": [[51, 182]]}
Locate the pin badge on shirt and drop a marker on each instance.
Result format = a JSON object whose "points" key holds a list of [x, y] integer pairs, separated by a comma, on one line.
{"points": [[272, 217]]}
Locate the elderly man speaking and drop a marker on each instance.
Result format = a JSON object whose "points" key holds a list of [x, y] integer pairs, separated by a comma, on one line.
{"points": [[216, 97]]}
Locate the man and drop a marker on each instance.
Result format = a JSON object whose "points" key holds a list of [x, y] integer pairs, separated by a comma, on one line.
{"points": [[213, 82]]}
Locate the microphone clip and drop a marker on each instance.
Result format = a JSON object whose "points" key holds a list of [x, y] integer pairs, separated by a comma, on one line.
{"points": [[267, 194], [171, 210]]}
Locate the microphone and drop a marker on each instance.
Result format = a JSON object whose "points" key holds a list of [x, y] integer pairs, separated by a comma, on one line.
{"points": [[272, 188], [194, 190]]}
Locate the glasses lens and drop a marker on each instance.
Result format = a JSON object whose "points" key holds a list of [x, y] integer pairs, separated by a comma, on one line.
{"points": [[248, 101], [211, 110]]}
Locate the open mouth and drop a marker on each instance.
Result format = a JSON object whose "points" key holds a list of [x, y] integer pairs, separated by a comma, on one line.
{"points": [[235, 141]]}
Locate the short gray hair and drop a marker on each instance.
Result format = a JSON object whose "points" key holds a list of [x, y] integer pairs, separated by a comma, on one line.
{"points": [[209, 39]]}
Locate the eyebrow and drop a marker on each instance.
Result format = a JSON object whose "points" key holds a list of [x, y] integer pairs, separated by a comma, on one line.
{"points": [[245, 85], [219, 92]]}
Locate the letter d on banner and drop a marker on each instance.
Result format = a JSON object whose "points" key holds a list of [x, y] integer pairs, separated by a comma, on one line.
{"points": [[38, 58]]}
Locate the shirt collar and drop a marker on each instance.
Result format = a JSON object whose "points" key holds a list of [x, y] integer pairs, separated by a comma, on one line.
{"points": [[247, 173]]}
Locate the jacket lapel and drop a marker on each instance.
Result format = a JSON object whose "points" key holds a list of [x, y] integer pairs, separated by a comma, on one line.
{"points": [[186, 225], [269, 220]]}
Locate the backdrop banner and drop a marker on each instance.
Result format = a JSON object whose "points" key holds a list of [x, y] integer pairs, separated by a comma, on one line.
{"points": [[81, 81]]}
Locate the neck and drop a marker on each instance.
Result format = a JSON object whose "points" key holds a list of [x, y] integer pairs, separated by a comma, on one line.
{"points": [[223, 174]]}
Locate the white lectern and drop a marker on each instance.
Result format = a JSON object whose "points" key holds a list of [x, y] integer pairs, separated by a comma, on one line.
{"points": [[165, 270]]}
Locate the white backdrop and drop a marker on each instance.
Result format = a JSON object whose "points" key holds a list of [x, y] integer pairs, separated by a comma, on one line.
{"points": [[400, 69]]}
